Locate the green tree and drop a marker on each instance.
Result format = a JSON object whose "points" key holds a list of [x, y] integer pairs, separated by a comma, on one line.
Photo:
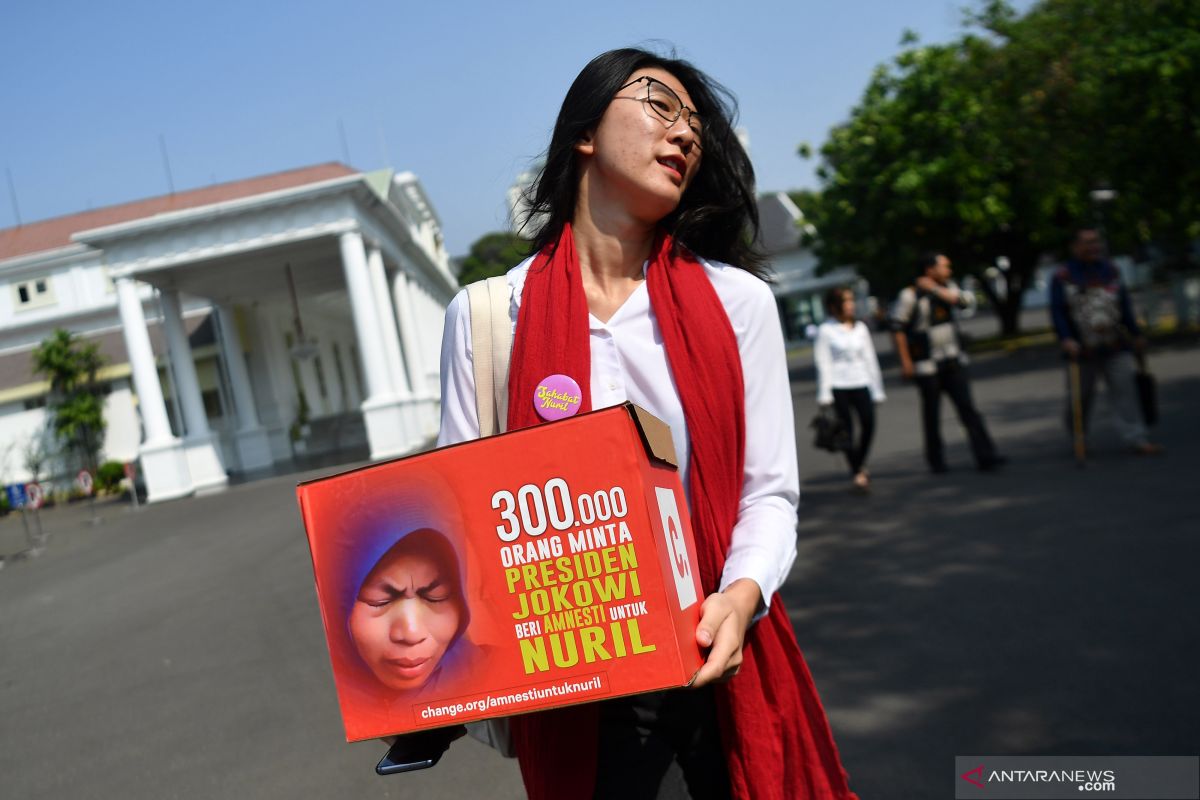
{"points": [[1117, 84], [931, 160], [37, 452], [493, 254], [76, 401], [990, 145]]}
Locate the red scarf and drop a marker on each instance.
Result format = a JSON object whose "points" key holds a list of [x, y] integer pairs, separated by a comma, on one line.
{"points": [[774, 730]]}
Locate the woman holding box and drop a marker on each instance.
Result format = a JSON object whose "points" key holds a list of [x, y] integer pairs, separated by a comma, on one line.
{"points": [[645, 287]]}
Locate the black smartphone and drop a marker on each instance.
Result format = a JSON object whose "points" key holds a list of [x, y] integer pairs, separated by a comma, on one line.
{"points": [[415, 751]]}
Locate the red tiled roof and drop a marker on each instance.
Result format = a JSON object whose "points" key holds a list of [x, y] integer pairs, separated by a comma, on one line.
{"points": [[54, 233]]}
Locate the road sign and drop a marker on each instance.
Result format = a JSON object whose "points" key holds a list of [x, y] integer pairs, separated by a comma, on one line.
{"points": [[16, 495], [33, 496], [84, 481]]}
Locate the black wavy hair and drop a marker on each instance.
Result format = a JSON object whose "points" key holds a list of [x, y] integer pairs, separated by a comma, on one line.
{"points": [[833, 300], [717, 218], [926, 260]]}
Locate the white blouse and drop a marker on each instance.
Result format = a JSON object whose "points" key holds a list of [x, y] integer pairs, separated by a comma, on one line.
{"points": [[846, 360], [629, 362]]}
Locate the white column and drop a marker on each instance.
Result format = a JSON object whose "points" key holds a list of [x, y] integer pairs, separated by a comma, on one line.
{"points": [[386, 315], [141, 362], [410, 340], [416, 299], [254, 449], [204, 459], [432, 317], [382, 411], [408, 332], [358, 285], [164, 463], [386, 312], [182, 366], [235, 364], [276, 417]]}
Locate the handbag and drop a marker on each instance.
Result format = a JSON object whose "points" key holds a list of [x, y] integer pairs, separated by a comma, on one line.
{"points": [[491, 352], [1147, 390], [829, 432]]}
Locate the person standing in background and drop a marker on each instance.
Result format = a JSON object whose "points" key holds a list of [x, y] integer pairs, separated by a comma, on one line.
{"points": [[1096, 327], [925, 329], [848, 376]]}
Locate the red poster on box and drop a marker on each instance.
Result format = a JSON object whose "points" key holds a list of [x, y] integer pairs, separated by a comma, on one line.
{"points": [[545, 567]]}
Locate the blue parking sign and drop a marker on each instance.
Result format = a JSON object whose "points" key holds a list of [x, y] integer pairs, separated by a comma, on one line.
{"points": [[16, 495]]}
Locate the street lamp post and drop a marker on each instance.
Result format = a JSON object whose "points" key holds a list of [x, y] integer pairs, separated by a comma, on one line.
{"points": [[1099, 197]]}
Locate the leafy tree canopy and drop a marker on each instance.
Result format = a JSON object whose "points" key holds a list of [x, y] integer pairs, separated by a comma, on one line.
{"points": [[493, 254], [992, 145], [76, 400]]}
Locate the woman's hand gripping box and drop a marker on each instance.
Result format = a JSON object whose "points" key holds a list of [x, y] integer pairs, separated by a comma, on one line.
{"points": [[544, 567]]}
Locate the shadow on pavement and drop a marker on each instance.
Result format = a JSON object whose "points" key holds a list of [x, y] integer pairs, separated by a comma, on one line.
{"points": [[1042, 610]]}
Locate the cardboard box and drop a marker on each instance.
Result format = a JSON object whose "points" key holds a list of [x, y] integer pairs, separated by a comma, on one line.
{"points": [[545, 567]]}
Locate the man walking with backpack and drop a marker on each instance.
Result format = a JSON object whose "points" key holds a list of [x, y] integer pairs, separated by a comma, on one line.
{"points": [[1098, 332], [925, 328]]}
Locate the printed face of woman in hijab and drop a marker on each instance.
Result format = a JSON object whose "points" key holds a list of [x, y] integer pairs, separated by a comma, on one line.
{"points": [[405, 616]]}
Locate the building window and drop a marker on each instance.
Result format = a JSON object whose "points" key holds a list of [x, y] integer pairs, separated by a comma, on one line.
{"points": [[35, 402], [212, 403], [33, 293]]}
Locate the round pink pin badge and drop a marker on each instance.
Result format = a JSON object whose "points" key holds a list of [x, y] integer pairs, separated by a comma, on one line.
{"points": [[557, 397]]}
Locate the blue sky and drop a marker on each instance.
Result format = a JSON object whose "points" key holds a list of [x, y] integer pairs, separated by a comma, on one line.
{"points": [[462, 94]]}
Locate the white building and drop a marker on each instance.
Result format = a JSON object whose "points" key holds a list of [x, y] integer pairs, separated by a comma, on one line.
{"points": [[518, 206], [799, 289], [243, 322]]}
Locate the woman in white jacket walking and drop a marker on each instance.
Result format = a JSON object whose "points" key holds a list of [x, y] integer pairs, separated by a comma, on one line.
{"points": [[848, 376]]}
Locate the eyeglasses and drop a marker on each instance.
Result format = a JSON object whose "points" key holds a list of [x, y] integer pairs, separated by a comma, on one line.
{"points": [[662, 102]]}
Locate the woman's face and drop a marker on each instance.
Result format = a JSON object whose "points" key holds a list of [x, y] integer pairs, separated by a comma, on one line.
{"points": [[405, 616], [636, 159], [847, 305]]}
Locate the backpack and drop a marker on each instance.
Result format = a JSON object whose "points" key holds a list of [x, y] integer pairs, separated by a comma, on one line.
{"points": [[1094, 308]]}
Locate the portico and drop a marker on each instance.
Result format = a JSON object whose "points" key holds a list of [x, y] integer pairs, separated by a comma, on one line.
{"points": [[327, 301]]}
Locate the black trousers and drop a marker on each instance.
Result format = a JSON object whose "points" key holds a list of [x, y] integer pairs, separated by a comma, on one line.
{"points": [[661, 746], [951, 379], [1119, 370], [859, 401]]}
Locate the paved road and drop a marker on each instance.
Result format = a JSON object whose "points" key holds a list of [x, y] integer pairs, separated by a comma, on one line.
{"points": [[176, 652]]}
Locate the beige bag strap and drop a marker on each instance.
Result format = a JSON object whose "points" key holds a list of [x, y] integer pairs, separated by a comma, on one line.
{"points": [[491, 349]]}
